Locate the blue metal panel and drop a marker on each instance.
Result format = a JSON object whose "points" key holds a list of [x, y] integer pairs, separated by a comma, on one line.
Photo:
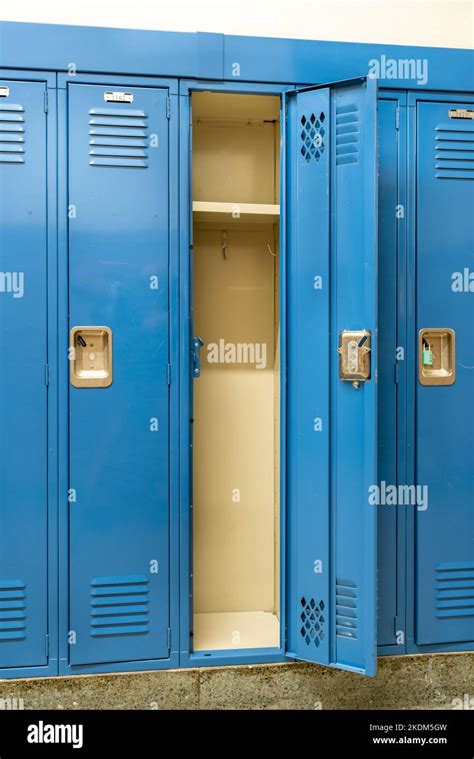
{"points": [[444, 415], [209, 55], [23, 376], [391, 217], [308, 215], [332, 235], [267, 59], [354, 439], [93, 49], [119, 436], [258, 59]]}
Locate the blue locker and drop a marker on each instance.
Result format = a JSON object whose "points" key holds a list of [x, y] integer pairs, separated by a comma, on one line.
{"points": [[352, 575], [23, 391], [445, 414], [119, 434]]}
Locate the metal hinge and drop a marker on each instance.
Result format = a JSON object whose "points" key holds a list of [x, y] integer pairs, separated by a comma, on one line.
{"points": [[46, 375], [196, 357], [169, 638], [396, 628], [397, 118], [168, 107], [46, 645], [46, 101], [168, 374]]}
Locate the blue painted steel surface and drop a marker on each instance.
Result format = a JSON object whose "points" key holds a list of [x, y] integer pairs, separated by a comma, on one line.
{"points": [[121, 520], [267, 59], [332, 236], [308, 222], [215, 56], [119, 436], [390, 123], [445, 415], [23, 390]]}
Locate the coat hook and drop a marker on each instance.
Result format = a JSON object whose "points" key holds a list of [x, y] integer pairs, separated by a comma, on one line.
{"points": [[271, 251], [224, 245]]}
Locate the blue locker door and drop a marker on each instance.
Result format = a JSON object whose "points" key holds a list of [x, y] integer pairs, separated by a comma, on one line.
{"points": [[445, 415], [119, 435], [23, 393], [332, 225]]}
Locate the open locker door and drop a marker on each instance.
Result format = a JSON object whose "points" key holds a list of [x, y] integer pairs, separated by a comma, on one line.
{"points": [[332, 438]]}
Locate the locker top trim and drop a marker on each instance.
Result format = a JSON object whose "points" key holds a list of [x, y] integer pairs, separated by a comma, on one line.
{"points": [[202, 55]]}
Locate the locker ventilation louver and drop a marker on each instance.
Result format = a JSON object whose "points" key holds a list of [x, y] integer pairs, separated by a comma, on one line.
{"points": [[12, 133], [312, 135], [346, 609], [119, 605], [12, 610], [454, 151], [312, 618], [118, 138], [347, 135], [455, 590]]}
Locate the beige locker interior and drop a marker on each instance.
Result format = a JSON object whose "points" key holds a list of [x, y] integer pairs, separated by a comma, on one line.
{"points": [[236, 467]]}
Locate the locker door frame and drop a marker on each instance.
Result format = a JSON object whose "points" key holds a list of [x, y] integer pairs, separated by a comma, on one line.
{"points": [[188, 658], [411, 367], [65, 668], [48, 78], [400, 623]]}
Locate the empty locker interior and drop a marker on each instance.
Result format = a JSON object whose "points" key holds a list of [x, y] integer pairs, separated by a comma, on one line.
{"points": [[236, 448]]}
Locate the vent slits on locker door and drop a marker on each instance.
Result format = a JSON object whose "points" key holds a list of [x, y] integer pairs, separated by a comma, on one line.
{"points": [[454, 151], [118, 138], [347, 135], [12, 610], [346, 609], [12, 133], [455, 589], [312, 136], [119, 605], [312, 618]]}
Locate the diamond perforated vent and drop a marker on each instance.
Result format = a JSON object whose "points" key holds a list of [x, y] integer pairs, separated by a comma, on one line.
{"points": [[312, 136], [312, 618], [118, 138]]}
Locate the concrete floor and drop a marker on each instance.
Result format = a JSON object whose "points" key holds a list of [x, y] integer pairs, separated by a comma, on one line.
{"points": [[422, 682]]}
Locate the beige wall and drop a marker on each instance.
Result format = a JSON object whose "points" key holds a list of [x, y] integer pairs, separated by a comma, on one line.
{"points": [[443, 23]]}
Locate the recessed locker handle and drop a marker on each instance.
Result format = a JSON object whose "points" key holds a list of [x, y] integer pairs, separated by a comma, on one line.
{"points": [[90, 356], [437, 356]]}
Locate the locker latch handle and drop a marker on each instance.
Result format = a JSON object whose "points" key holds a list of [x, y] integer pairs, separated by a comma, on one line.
{"points": [[354, 356]]}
